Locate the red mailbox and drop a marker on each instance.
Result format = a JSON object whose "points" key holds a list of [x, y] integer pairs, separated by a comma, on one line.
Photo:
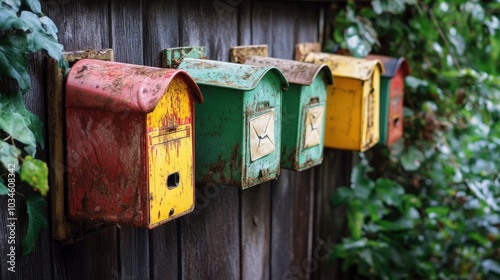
{"points": [[129, 143], [392, 85]]}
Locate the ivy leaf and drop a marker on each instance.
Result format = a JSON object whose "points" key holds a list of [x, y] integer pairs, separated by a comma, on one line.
{"points": [[3, 188], [33, 5], [13, 4], [18, 122], [40, 38], [13, 63], [35, 173], [412, 159], [389, 191], [341, 196], [9, 20], [36, 222], [9, 154]]}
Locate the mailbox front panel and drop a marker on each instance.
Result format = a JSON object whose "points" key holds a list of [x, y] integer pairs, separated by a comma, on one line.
{"points": [[219, 133], [170, 154], [263, 132], [103, 167], [343, 114], [395, 115]]}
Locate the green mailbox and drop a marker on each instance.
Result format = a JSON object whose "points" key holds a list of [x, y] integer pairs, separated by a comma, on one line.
{"points": [[238, 128], [303, 118]]}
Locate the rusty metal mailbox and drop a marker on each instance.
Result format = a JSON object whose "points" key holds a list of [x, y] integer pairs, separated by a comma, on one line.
{"points": [[304, 103], [391, 97], [352, 114], [129, 143], [238, 129]]}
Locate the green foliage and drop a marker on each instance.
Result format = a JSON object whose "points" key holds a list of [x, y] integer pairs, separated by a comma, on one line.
{"points": [[35, 173], [35, 204], [24, 30], [428, 207]]}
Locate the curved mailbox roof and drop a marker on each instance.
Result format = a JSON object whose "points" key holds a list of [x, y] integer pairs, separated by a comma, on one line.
{"points": [[301, 73], [346, 66], [121, 87], [228, 75], [391, 64]]}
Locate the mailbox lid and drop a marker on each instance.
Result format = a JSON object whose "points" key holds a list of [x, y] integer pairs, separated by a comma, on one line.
{"points": [[228, 75], [391, 65], [346, 66], [296, 72], [120, 87]]}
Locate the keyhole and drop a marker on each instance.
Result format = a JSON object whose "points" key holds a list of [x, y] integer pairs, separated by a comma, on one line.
{"points": [[173, 180], [396, 121]]}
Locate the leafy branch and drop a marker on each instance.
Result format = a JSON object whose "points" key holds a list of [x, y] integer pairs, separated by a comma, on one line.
{"points": [[428, 206], [24, 30]]}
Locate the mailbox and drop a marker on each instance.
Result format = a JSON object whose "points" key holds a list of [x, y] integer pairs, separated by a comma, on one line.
{"points": [[304, 103], [129, 143], [391, 97], [238, 129], [352, 114]]}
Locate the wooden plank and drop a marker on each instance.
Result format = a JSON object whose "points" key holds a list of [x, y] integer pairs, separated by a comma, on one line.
{"points": [[82, 24], [212, 25], [302, 221], [94, 257], [255, 232], [330, 223], [210, 238], [161, 30], [281, 221], [164, 252], [274, 24], [127, 43]]}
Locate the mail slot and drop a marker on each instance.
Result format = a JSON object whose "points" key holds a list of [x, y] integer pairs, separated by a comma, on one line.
{"points": [[304, 104], [238, 129], [129, 143], [392, 84], [352, 113]]}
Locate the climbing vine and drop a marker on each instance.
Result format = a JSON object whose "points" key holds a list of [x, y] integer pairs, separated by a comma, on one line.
{"points": [[428, 207], [23, 30]]}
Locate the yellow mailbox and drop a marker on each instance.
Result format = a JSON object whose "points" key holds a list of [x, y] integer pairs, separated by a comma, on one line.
{"points": [[352, 114]]}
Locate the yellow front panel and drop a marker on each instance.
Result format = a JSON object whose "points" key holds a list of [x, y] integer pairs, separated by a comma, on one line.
{"points": [[343, 114], [170, 134]]}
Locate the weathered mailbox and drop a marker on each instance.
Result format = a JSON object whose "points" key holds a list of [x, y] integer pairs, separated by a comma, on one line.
{"points": [[238, 129], [352, 114], [303, 114], [391, 97], [129, 143]]}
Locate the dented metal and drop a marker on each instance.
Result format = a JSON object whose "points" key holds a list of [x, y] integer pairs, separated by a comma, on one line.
{"points": [[303, 119], [238, 129], [129, 132]]}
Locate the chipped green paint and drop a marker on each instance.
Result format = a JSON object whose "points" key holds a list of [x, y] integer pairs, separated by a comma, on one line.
{"points": [[304, 116], [241, 115]]}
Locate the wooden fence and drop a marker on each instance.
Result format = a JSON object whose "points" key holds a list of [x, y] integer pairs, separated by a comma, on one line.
{"points": [[277, 230]]}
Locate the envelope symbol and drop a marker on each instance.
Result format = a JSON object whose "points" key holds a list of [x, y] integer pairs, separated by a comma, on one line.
{"points": [[313, 126], [262, 135]]}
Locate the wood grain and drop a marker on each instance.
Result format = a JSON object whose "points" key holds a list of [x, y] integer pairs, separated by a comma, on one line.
{"points": [[210, 239], [160, 31], [256, 232], [211, 24]]}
